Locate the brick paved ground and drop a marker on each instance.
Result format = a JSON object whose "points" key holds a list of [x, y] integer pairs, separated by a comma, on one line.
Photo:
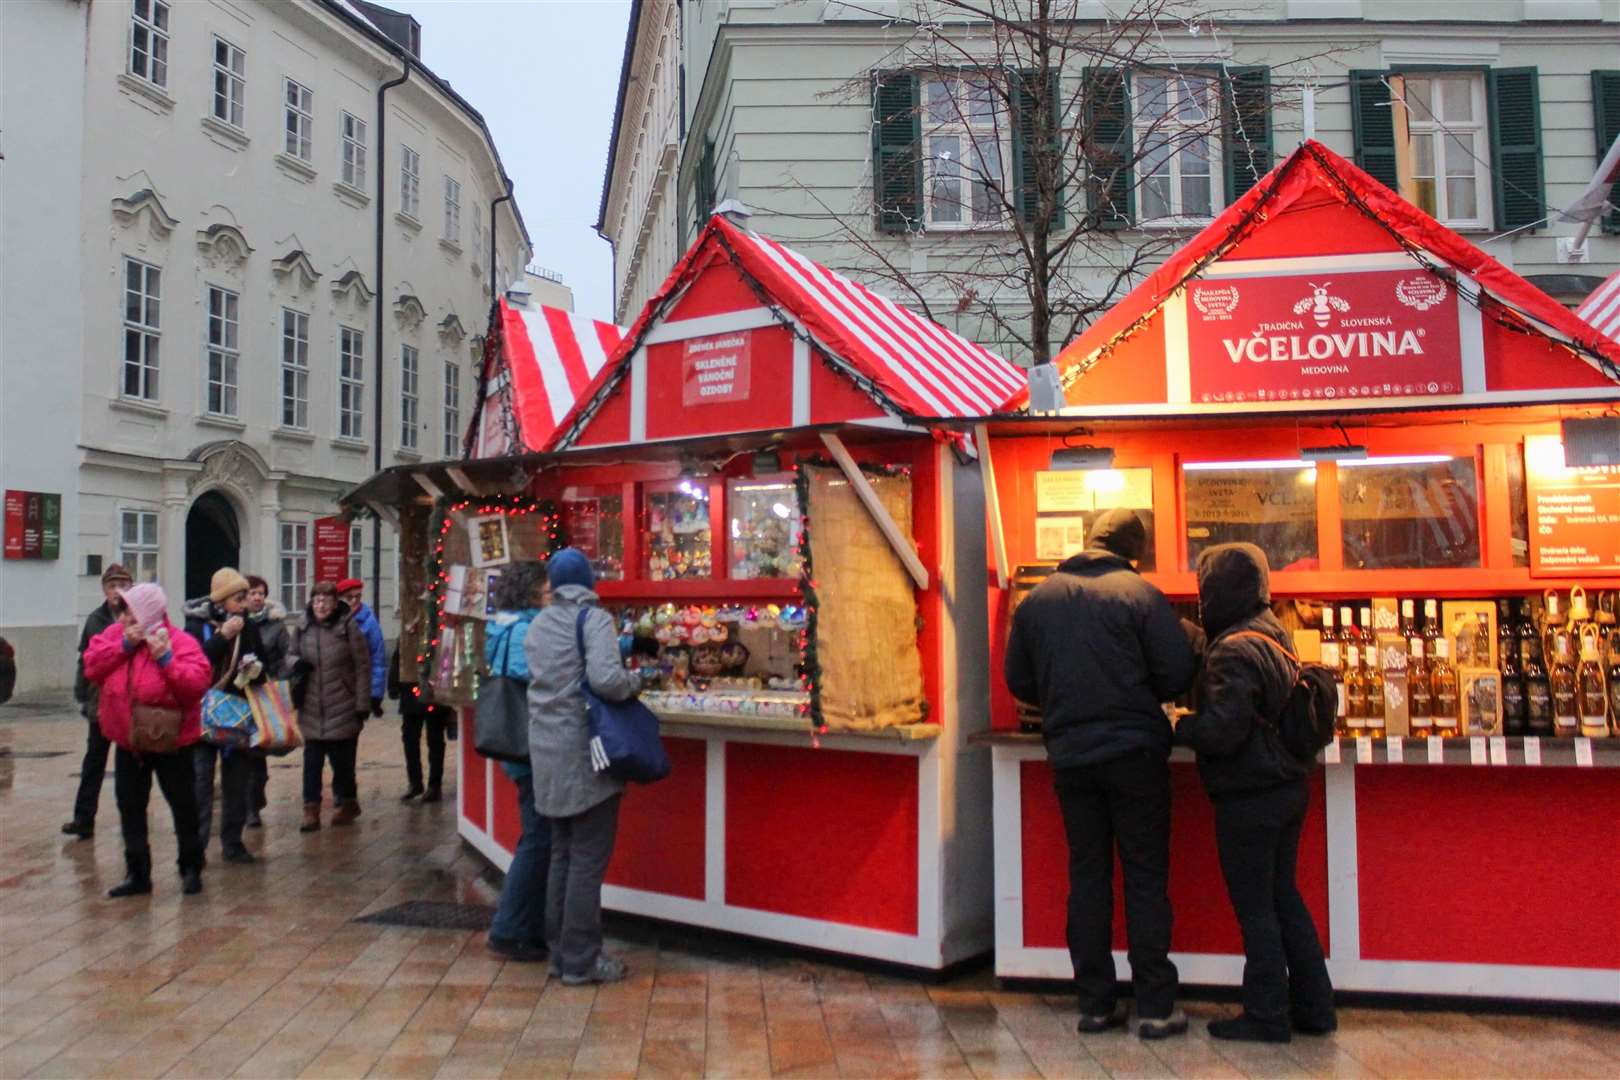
{"points": [[266, 974]]}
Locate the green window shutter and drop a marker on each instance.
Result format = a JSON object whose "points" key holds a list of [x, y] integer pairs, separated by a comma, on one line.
{"points": [[896, 152], [1246, 128], [1606, 107], [1027, 102], [1110, 192], [1372, 117], [1516, 170], [703, 195]]}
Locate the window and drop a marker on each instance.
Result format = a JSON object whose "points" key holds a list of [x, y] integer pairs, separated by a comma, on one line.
{"points": [[409, 370], [1409, 513], [1177, 123], [351, 383], [452, 210], [1068, 502], [1271, 504], [765, 528], [294, 369], [595, 522], [223, 324], [678, 542], [142, 284], [353, 169], [294, 565], [964, 140], [452, 410], [410, 182], [357, 551], [149, 42], [300, 109], [1445, 173], [230, 82], [138, 543], [478, 233]]}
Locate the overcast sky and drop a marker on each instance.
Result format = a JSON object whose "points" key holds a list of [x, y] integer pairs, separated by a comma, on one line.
{"points": [[545, 74]]}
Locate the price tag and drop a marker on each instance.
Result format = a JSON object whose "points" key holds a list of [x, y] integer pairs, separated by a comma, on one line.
{"points": [[1498, 750], [1330, 753], [1363, 750], [1394, 750], [1476, 749], [1583, 751], [1532, 750], [1437, 750]]}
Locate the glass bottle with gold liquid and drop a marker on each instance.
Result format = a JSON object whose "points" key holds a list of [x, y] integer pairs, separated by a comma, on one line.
{"points": [[1355, 692], [1419, 693], [1612, 677], [1593, 701], [1443, 685], [1375, 694]]}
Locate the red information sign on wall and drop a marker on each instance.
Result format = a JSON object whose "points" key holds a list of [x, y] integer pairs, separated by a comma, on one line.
{"points": [[1574, 513], [1325, 335], [16, 501], [331, 549], [715, 369]]}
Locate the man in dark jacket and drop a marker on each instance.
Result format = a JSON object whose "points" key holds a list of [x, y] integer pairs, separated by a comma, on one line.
{"points": [[1260, 797], [94, 768], [1098, 650]]}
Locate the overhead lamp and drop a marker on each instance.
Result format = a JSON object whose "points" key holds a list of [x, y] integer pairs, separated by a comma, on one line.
{"points": [[767, 462], [1082, 457], [1591, 443], [1342, 452]]}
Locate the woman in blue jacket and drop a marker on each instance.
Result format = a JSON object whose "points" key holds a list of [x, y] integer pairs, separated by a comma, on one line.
{"points": [[518, 931]]}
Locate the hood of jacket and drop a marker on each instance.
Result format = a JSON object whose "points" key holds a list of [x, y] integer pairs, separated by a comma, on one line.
{"points": [[271, 612], [1234, 584], [202, 610], [573, 594], [1119, 531], [340, 611]]}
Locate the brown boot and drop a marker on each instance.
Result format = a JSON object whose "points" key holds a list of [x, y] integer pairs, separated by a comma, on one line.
{"points": [[346, 813], [312, 818]]}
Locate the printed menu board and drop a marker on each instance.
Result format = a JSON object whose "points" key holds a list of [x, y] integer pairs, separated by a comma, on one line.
{"points": [[1574, 513], [33, 525]]}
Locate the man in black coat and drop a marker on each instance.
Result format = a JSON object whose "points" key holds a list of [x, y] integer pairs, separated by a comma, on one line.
{"points": [[94, 768], [1099, 650]]}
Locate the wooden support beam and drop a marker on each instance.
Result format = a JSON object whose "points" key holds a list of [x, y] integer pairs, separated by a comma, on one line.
{"points": [[385, 512], [992, 506], [899, 541], [464, 482], [427, 485]]}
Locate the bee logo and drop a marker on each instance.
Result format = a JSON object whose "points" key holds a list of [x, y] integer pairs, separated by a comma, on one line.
{"points": [[1321, 305]]}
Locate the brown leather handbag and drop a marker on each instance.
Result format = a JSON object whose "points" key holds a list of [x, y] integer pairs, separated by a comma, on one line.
{"points": [[153, 729]]}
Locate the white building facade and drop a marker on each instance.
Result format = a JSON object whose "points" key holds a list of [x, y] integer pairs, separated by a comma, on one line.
{"points": [[200, 351]]}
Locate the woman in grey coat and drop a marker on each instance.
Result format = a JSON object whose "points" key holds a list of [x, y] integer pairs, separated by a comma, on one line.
{"points": [[583, 805], [334, 701]]}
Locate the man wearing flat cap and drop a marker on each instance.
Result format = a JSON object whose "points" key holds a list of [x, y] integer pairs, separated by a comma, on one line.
{"points": [[88, 695]]}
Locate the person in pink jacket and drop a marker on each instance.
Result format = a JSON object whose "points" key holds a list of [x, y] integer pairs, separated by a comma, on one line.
{"points": [[143, 660]]}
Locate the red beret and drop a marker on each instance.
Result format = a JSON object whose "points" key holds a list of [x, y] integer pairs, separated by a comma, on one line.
{"points": [[349, 583]]}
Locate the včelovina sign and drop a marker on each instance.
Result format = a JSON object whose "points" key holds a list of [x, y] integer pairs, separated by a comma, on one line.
{"points": [[1323, 336]]}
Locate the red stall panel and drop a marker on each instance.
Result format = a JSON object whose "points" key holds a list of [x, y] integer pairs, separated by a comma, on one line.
{"points": [[473, 789], [1502, 866], [1203, 916], [660, 847], [823, 834], [508, 823]]}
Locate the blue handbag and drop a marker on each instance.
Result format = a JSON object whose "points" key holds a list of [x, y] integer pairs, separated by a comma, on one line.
{"points": [[624, 734], [227, 719]]}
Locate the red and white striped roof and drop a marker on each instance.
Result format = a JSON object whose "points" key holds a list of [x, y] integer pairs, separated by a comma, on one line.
{"points": [[552, 356], [1601, 310]]}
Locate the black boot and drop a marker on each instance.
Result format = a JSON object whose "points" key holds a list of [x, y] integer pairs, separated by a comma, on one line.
{"points": [[191, 880], [1245, 1028], [138, 881]]}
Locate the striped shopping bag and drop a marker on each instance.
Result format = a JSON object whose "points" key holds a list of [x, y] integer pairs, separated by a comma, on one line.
{"points": [[275, 717]]}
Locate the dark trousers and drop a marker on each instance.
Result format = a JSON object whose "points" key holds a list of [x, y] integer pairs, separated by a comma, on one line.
{"points": [[580, 849], [411, 725], [91, 773], [236, 786], [261, 780], [1124, 803], [132, 780], [1258, 838], [520, 917], [341, 753]]}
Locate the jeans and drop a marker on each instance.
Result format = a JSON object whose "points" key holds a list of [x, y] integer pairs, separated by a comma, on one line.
{"points": [[341, 753], [411, 725], [520, 917], [1258, 838], [1123, 803], [132, 781], [236, 784], [580, 849], [261, 780], [91, 773]]}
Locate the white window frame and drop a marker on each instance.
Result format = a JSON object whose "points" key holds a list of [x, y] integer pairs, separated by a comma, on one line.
{"points": [[228, 102], [410, 398], [138, 555], [1423, 123], [294, 369], [149, 41], [357, 551], [452, 210], [1179, 134], [298, 108], [292, 557], [452, 409], [352, 157], [351, 402], [143, 330], [223, 356], [410, 183], [971, 129]]}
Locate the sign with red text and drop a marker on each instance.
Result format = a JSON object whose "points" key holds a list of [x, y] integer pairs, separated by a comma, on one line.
{"points": [[33, 525], [1323, 336], [715, 369], [331, 549], [1574, 513]]}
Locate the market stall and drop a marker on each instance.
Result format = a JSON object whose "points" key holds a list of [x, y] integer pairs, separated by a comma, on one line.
{"points": [[1415, 436]]}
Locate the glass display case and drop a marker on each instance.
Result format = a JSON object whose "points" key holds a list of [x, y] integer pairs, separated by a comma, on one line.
{"points": [[679, 540], [764, 528], [1409, 512], [593, 520], [1271, 504]]}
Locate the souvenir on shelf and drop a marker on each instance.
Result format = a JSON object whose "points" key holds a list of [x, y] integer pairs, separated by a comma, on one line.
{"points": [[595, 525], [679, 542], [765, 529]]}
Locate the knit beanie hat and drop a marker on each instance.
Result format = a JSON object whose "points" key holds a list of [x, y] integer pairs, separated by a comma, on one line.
{"points": [[226, 584], [116, 573], [147, 603], [570, 567]]}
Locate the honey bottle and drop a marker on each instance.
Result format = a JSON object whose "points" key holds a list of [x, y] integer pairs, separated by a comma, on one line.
{"points": [[1565, 689], [1611, 676], [1375, 725], [1515, 715], [1419, 693], [1537, 686], [1355, 692], [1443, 686], [1592, 700]]}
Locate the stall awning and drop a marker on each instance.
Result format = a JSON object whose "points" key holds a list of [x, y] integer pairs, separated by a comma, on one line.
{"points": [[551, 356], [1601, 310]]}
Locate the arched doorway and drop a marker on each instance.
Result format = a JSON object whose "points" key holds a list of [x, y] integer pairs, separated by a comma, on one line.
{"points": [[213, 540]]}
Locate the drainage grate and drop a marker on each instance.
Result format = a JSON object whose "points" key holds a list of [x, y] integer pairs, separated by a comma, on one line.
{"points": [[8, 752], [433, 915]]}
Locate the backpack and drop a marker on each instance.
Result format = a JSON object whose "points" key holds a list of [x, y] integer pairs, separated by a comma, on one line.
{"points": [[1306, 722]]}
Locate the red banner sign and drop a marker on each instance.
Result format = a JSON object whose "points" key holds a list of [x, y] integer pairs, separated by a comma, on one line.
{"points": [[16, 502], [33, 525], [331, 549], [1574, 513], [1325, 335], [715, 369]]}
